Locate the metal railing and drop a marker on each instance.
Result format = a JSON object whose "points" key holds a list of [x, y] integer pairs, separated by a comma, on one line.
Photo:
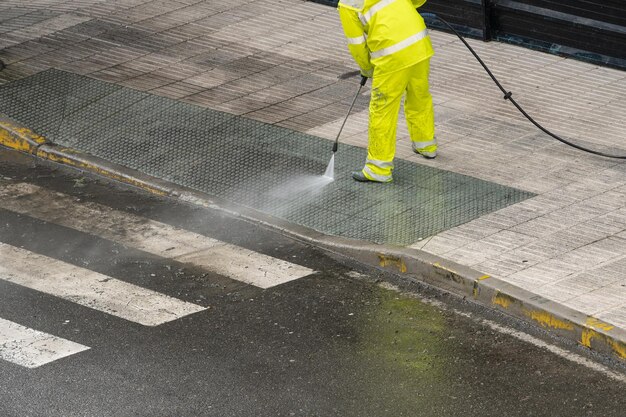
{"points": [[589, 30]]}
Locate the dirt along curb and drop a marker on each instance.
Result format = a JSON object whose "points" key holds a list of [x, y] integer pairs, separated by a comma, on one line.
{"points": [[405, 262], [22, 139]]}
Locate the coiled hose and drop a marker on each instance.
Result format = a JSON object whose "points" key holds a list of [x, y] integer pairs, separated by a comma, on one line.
{"points": [[508, 95]]}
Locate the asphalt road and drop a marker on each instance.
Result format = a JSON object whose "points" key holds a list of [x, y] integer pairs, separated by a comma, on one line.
{"points": [[332, 339]]}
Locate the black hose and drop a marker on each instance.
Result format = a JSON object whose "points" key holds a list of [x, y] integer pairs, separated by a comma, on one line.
{"points": [[508, 95]]}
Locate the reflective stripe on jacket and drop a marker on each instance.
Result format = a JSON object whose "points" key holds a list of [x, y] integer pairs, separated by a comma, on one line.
{"points": [[388, 35]]}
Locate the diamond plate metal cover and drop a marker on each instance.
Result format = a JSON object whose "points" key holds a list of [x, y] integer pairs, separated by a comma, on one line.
{"points": [[259, 165]]}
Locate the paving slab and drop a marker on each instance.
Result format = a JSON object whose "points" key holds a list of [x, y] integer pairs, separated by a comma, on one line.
{"points": [[527, 211]]}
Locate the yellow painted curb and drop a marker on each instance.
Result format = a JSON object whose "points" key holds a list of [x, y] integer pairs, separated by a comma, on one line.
{"points": [[22, 139], [19, 138], [60, 155]]}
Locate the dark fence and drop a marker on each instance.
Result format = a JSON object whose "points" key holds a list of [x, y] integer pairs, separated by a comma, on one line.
{"points": [[590, 30]]}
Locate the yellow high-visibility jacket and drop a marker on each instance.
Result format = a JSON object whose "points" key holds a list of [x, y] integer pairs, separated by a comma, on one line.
{"points": [[386, 35]]}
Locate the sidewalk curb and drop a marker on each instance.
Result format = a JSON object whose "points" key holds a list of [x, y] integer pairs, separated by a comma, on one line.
{"points": [[22, 139], [17, 137], [405, 262]]}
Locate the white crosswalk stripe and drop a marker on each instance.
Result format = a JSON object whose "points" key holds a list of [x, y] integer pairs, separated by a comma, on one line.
{"points": [[150, 236], [31, 348], [89, 288]]}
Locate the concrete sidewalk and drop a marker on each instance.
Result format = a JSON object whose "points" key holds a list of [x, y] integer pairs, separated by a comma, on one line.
{"points": [[552, 250]]}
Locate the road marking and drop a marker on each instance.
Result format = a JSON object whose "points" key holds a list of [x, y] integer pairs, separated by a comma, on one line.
{"points": [[150, 236], [89, 288], [31, 348], [556, 350]]}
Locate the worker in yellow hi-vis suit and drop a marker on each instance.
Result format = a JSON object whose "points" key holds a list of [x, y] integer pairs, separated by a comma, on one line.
{"points": [[389, 41]]}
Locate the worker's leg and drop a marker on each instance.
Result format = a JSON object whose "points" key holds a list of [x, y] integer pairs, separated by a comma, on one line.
{"points": [[387, 91], [419, 112]]}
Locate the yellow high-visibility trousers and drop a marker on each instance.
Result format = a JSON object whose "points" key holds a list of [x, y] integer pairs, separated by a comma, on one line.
{"points": [[387, 92]]}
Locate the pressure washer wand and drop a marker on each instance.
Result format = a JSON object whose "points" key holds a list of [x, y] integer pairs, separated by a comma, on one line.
{"points": [[363, 81]]}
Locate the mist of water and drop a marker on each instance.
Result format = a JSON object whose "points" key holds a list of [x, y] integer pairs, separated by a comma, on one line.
{"points": [[306, 184], [300, 189]]}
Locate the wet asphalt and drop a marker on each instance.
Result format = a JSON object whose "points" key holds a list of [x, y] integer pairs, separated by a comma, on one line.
{"points": [[339, 342]]}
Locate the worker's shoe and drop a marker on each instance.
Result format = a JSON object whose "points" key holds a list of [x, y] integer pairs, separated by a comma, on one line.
{"points": [[360, 177], [427, 152]]}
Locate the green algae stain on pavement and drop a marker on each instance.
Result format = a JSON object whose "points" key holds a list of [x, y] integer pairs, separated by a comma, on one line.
{"points": [[246, 162], [403, 349], [404, 334]]}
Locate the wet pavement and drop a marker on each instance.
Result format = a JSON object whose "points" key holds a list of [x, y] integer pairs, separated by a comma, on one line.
{"points": [[269, 168], [339, 342], [553, 232]]}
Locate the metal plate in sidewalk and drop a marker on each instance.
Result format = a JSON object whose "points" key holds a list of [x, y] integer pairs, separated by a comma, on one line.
{"points": [[262, 166]]}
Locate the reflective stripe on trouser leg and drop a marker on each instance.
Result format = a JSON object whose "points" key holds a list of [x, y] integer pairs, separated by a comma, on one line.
{"points": [[387, 92], [418, 108], [373, 174]]}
